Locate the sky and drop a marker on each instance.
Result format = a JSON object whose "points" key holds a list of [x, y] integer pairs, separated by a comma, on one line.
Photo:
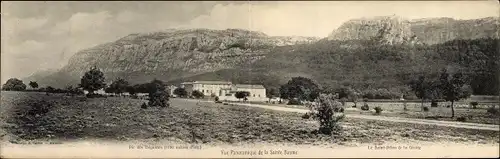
{"points": [[37, 36]]}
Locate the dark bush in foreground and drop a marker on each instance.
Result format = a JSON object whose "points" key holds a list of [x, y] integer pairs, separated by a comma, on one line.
{"points": [[324, 112], [158, 95], [293, 102], [492, 110], [474, 105], [144, 106], [216, 99], [158, 98], [462, 119], [365, 107], [378, 110], [426, 109]]}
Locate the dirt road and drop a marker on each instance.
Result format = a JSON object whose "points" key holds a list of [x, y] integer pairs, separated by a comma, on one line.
{"points": [[476, 126]]}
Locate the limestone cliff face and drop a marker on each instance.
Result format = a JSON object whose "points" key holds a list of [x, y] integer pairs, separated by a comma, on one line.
{"points": [[397, 30], [183, 51], [386, 29], [438, 30]]}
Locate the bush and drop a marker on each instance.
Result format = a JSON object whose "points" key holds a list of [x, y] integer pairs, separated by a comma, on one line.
{"points": [[158, 95], [378, 110], [293, 102], [462, 119], [365, 107], [158, 98], [306, 116], [216, 99], [474, 105], [324, 112], [434, 104], [144, 106], [492, 110], [426, 109]]}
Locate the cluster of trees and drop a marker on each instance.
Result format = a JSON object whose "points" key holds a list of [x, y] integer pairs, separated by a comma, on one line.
{"points": [[450, 86], [15, 84]]}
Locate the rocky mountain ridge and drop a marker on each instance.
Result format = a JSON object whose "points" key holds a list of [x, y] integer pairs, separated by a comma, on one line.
{"points": [[181, 52], [398, 30], [175, 54]]}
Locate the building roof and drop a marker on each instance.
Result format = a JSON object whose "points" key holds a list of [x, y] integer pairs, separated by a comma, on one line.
{"points": [[249, 86], [208, 82]]}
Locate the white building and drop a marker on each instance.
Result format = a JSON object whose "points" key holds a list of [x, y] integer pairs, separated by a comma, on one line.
{"points": [[226, 90]]}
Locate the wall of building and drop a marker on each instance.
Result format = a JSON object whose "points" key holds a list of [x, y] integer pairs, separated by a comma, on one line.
{"points": [[208, 89], [255, 92]]}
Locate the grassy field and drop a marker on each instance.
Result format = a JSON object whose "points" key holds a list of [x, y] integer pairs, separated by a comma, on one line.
{"points": [[122, 119], [395, 109]]}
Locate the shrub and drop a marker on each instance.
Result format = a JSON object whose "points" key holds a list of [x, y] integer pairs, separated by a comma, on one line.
{"points": [[474, 105], [378, 110], [158, 96], [365, 107], [216, 99], [144, 106], [462, 119], [306, 116], [323, 112], [293, 102], [492, 110], [197, 94], [434, 104], [426, 109]]}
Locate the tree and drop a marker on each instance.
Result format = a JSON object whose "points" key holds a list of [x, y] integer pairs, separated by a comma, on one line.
{"points": [[271, 93], [14, 84], [241, 94], [301, 88], [92, 80], [454, 87], [33, 84], [181, 92], [347, 93], [197, 94], [119, 86], [422, 88]]}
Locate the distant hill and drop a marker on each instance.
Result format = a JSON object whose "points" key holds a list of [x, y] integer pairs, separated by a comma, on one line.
{"points": [[366, 65]]}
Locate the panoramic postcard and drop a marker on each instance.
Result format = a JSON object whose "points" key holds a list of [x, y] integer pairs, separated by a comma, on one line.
{"points": [[249, 79]]}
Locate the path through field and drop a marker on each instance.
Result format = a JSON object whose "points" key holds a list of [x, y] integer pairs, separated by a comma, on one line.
{"points": [[476, 126]]}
